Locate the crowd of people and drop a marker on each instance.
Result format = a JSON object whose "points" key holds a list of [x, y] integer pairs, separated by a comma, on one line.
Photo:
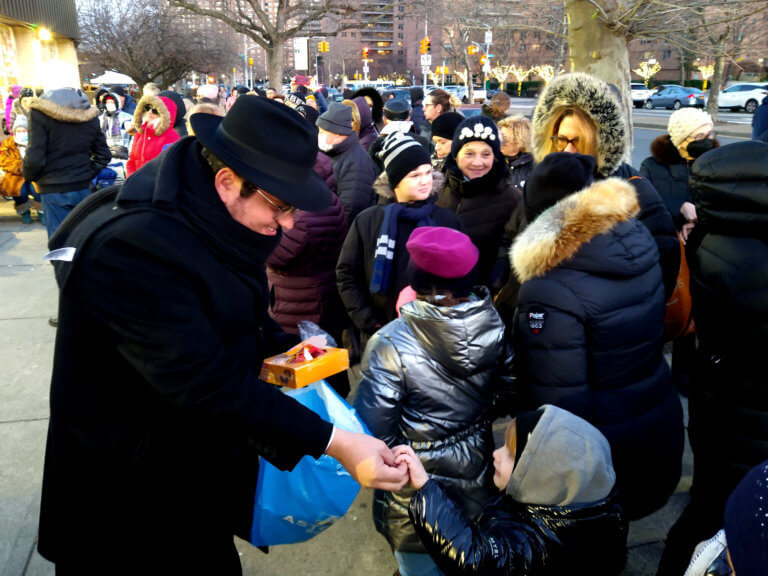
{"points": [[478, 267]]}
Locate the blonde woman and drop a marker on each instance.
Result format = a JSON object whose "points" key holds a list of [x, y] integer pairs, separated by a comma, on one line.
{"points": [[515, 133], [579, 113]]}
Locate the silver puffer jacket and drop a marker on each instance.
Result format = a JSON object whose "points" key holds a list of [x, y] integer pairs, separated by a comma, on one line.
{"points": [[429, 379]]}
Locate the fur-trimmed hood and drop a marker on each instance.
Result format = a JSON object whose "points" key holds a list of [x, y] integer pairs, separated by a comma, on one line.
{"points": [[65, 105], [596, 99], [384, 190], [165, 108], [562, 230]]}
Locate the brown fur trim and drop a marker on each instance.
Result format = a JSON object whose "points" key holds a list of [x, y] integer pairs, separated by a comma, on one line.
{"points": [[63, 113], [559, 232], [144, 105], [382, 188], [665, 152]]}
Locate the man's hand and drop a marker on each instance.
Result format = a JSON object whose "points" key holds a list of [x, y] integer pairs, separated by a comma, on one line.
{"points": [[416, 469], [368, 460]]}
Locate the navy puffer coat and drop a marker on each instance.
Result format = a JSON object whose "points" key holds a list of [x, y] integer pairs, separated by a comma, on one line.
{"points": [[590, 324]]}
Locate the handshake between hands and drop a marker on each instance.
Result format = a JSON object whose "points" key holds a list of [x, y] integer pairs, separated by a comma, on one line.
{"points": [[374, 465]]}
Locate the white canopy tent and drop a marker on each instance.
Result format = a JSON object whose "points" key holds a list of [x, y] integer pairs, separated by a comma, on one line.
{"points": [[112, 77]]}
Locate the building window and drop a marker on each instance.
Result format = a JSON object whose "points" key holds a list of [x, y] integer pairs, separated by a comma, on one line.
{"points": [[353, 34], [399, 26], [401, 8], [400, 35], [666, 54], [400, 52], [343, 34]]}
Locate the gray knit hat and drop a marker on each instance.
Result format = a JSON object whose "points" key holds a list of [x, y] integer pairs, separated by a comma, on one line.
{"points": [[337, 119], [20, 122]]}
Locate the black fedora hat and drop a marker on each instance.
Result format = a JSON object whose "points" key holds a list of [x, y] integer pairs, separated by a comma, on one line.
{"points": [[270, 146]]}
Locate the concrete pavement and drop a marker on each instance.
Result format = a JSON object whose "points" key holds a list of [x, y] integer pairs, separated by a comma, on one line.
{"points": [[351, 546]]}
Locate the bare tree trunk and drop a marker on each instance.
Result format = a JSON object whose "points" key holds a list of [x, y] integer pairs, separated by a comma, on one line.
{"points": [[599, 51], [714, 91], [681, 52], [275, 55]]}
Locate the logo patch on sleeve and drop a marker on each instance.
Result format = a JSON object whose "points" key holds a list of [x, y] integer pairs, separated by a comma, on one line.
{"points": [[536, 319]]}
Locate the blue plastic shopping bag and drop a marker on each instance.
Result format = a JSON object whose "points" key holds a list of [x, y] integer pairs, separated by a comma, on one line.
{"points": [[293, 506]]}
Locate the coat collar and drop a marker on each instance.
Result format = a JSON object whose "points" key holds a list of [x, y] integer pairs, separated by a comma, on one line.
{"points": [[559, 232]]}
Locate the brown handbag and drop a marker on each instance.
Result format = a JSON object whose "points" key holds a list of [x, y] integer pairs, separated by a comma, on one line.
{"points": [[678, 318]]}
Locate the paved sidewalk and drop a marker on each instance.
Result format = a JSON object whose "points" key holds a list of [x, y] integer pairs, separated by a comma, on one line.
{"points": [[350, 547]]}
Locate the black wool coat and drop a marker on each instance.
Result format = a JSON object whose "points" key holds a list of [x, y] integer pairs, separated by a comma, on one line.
{"points": [[157, 411]]}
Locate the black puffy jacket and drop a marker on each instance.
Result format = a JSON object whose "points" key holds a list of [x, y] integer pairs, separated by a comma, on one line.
{"points": [[729, 271], [514, 539], [354, 173], [668, 172], [589, 326]]}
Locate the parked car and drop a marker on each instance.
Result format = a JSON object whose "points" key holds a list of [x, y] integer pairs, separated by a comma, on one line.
{"points": [[746, 96], [675, 97], [640, 93], [403, 94]]}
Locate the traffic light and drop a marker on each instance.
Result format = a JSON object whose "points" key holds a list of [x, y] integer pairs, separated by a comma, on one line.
{"points": [[429, 44], [426, 45], [323, 46], [250, 61], [471, 49], [365, 52], [483, 59]]}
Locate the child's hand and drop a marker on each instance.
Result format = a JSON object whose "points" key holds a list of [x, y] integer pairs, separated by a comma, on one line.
{"points": [[418, 476]]}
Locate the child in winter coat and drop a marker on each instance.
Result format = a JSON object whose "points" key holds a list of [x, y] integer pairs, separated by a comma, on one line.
{"points": [[430, 379], [12, 152], [558, 513], [156, 115]]}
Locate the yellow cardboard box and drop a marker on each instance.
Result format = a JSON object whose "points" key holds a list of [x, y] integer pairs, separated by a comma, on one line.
{"points": [[297, 369]]}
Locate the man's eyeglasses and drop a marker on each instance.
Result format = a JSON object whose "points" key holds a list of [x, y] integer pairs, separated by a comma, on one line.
{"points": [[561, 142], [282, 210]]}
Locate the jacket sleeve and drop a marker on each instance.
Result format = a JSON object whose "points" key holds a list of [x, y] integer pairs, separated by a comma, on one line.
{"points": [[657, 219], [170, 341], [552, 342], [381, 390], [100, 154], [460, 546], [352, 283], [34, 160]]}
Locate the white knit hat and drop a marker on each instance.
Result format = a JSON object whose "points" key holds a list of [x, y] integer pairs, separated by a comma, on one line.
{"points": [[683, 122]]}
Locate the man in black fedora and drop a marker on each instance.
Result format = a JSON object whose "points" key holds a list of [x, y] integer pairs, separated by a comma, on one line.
{"points": [[157, 412]]}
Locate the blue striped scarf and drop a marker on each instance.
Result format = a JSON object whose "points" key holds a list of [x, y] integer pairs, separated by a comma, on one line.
{"points": [[384, 251]]}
